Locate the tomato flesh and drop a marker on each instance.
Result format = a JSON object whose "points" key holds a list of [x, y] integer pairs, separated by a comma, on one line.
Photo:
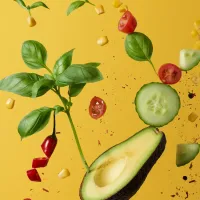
{"points": [[127, 23], [169, 73], [97, 108]]}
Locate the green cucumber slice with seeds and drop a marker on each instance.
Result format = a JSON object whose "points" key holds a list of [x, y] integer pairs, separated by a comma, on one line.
{"points": [[189, 59], [157, 104]]}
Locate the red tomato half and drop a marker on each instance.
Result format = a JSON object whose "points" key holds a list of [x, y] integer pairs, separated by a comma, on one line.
{"points": [[169, 73], [127, 23], [97, 108]]}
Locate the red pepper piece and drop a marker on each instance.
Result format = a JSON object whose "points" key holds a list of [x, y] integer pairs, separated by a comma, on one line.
{"points": [[40, 162], [49, 145], [33, 175]]}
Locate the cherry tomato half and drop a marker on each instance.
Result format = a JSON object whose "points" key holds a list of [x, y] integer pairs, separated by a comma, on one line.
{"points": [[97, 108], [169, 73], [127, 23]]}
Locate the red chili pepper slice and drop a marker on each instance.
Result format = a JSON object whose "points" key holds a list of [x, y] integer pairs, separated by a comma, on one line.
{"points": [[33, 175], [49, 145], [40, 162]]}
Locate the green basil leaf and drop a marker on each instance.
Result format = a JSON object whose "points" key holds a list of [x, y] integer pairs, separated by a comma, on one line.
{"points": [[76, 74], [48, 77], [21, 3], [43, 84], [21, 84], [38, 4], [75, 89], [63, 63], [34, 54], [75, 5], [58, 109], [92, 64], [138, 46], [34, 122]]}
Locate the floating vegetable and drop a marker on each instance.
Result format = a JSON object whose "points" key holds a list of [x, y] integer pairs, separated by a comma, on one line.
{"points": [[117, 3], [10, 103], [127, 23], [186, 153], [97, 107], [123, 8], [102, 41], [99, 9], [189, 59], [40, 162], [169, 73], [192, 117], [31, 21], [77, 4], [33, 175], [64, 174]]}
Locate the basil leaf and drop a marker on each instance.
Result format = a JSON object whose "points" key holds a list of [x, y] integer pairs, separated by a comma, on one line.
{"points": [[43, 84], [75, 89], [92, 64], [58, 109], [38, 4], [75, 5], [63, 63], [34, 54], [21, 84], [76, 74], [138, 46], [34, 122], [21, 3]]}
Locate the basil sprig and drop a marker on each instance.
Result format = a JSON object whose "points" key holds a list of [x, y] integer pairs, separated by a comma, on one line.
{"points": [[77, 4], [64, 74]]}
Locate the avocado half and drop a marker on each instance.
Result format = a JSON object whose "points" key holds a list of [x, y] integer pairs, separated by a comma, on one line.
{"points": [[119, 172]]}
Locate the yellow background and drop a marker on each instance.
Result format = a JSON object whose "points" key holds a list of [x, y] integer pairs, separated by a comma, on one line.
{"points": [[167, 23]]}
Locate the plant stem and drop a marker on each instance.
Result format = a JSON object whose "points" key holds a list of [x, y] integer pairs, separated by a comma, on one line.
{"points": [[67, 111], [77, 141], [89, 2], [152, 65], [49, 70]]}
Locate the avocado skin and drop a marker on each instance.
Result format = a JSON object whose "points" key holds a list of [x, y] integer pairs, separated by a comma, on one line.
{"points": [[134, 185]]}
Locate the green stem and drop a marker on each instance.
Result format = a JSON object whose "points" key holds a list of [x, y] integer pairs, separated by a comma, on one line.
{"points": [[67, 111], [49, 70], [89, 2], [77, 141], [54, 125], [152, 65]]}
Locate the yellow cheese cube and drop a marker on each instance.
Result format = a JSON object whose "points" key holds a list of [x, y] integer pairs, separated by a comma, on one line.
{"points": [[64, 174], [10, 103], [99, 9], [192, 117], [102, 40], [123, 8], [117, 3]]}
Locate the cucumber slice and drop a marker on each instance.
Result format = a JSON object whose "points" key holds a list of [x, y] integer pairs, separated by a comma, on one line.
{"points": [[157, 104], [189, 59]]}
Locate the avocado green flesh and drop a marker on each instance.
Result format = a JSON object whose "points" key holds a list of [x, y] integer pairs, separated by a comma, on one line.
{"points": [[186, 153], [112, 171]]}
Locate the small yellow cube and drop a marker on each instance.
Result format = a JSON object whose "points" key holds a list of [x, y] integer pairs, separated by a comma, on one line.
{"points": [[195, 80], [64, 174], [197, 25], [192, 117], [197, 45], [102, 40], [194, 33], [123, 8], [117, 3], [99, 9], [10, 103]]}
